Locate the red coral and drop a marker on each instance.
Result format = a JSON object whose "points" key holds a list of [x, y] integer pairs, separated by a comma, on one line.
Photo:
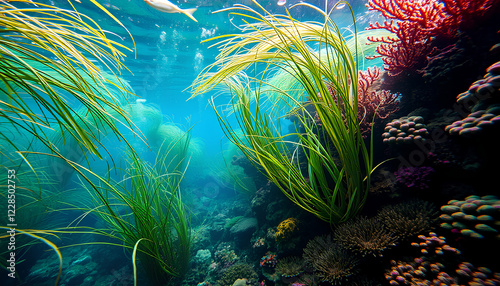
{"points": [[371, 102], [379, 103], [405, 51], [415, 23], [427, 14], [465, 12]]}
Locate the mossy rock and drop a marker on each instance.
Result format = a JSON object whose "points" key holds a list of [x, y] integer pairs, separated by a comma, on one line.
{"points": [[230, 223]]}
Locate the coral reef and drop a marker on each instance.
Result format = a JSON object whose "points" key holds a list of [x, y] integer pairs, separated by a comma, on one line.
{"points": [[269, 260], [333, 263], [378, 104], [434, 244], [373, 103], [225, 256], [417, 178], [415, 25], [286, 228], [416, 22], [477, 276], [290, 268], [483, 100], [408, 219], [365, 236], [421, 271], [417, 272], [405, 130], [426, 269], [238, 271], [474, 217]]}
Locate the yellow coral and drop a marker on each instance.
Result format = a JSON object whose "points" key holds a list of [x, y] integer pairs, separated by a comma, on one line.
{"points": [[286, 228]]}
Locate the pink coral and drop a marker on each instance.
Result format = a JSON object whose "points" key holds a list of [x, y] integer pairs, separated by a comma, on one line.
{"points": [[371, 102], [378, 103]]}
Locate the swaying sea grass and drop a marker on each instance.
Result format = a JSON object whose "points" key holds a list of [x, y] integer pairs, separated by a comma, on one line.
{"points": [[47, 65], [324, 167], [54, 63], [145, 213]]}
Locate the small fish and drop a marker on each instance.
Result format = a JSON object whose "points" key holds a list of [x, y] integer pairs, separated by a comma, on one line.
{"points": [[167, 7], [140, 100], [281, 2], [340, 6]]}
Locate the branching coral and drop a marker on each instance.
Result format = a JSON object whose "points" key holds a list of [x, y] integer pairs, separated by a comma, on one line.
{"points": [[365, 236], [415, 24], [464, 12], [408, 219], [378, 103], [333, 262]]}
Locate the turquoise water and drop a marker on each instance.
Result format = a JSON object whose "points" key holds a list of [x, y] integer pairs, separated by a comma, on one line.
{"points": [[241, 224]]}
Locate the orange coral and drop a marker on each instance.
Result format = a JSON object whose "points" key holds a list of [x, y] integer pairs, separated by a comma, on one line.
{"points": [[286, 228]]}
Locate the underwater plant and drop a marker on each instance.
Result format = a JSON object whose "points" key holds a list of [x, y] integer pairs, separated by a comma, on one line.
{"points": [[58, 82], [326, 170], [145, 212], [52, 58]]}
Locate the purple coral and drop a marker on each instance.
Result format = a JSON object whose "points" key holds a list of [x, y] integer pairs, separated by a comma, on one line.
{"points": [[415, 177]]}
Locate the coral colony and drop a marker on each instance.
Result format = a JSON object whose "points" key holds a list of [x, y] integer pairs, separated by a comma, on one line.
{"points": [[474, 217], [415, 24], [483, 100], [405, 130]]}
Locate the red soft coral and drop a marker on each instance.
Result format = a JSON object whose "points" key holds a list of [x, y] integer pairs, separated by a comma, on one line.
{"points": [[371, 102], [415, 23]]}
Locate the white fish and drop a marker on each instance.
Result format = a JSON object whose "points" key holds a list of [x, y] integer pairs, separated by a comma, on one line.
{"points": [[140, 100], [167, 7], [281, 2], [340, 6]]}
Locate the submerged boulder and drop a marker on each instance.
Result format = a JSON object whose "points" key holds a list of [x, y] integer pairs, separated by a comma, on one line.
{"points": [[243, 230]]}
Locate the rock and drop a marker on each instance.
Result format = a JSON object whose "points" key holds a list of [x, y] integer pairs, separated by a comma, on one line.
{"points": [[242, 231]]}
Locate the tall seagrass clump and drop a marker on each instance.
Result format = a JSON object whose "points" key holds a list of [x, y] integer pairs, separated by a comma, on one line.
{"points": [[55, 77], [324, 166], [58, 86], [145, 214]]}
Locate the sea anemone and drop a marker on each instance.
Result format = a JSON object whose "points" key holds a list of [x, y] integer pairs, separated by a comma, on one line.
{"points": [[290, 268], [409, 218], [365, 236], [333, 262]]}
